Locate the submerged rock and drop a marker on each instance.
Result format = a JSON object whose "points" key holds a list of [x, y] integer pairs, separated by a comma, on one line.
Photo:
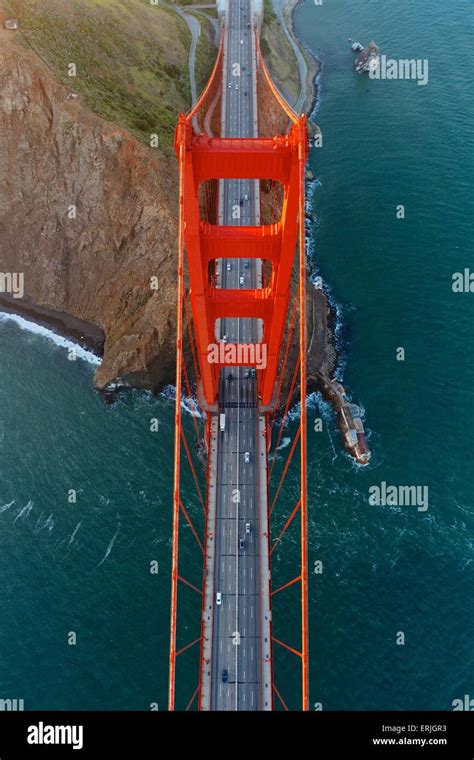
{"points": [[315, 136], [368, 59]]}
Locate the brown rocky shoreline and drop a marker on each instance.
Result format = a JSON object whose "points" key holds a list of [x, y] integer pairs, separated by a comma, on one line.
{"points": [[323, 358], [85, 334]]}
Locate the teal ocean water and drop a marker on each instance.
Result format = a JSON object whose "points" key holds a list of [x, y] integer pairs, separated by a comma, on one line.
{"points": [[84, 566], [396, 569]]}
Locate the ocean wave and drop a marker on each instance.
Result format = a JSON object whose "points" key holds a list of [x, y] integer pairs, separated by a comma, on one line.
{"points": [[4, 507], [74, 533], [24, 511], [49, 523], [44, 332], [188, 404], [294, 413], [109, 547]]}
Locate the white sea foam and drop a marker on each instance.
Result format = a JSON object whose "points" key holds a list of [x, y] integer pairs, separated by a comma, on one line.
{"points": [[4, 507], [73, 536], [187, 404], [49, 523], [109, 548], [44, 332], [24, 511]]}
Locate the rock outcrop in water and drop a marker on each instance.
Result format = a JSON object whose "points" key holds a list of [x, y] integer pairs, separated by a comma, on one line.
{"points": [[368, 59]]}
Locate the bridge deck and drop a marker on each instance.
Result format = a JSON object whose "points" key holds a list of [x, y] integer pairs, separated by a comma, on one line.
{"points": [[236, 669]]}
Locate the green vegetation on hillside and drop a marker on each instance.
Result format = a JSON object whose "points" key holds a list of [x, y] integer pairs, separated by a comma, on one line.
{"points": [[131, 58], [279, 55], [212, 12], [269, 14]]}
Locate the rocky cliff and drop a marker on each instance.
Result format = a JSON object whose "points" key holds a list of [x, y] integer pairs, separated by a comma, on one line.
{"points": [[95, 261]]}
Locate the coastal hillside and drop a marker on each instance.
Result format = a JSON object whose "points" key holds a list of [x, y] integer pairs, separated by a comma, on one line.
{"points": [[278, 54], [87, 210], [130, 57]]}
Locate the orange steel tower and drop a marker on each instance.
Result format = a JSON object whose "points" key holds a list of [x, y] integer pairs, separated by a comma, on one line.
{"points": [[278, 159], [275, 160]]}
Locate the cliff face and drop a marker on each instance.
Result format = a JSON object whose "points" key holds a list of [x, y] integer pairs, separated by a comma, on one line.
{"points": [[56, 154]]}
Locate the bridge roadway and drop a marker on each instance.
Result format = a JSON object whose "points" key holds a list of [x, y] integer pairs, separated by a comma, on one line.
{"points": [[240, 667]]}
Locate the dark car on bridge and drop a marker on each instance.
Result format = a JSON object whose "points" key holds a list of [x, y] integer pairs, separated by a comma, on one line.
{"points": [[225, 676]]}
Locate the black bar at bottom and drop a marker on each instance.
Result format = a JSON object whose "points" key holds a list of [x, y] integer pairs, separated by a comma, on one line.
{"points": [[153, 734]]}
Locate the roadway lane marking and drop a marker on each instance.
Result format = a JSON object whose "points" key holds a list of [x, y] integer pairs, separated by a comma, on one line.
{"points": [[238, 109]]}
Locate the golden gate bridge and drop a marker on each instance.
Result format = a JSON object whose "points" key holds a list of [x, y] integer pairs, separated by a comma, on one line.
{"points": [[241, 280]]}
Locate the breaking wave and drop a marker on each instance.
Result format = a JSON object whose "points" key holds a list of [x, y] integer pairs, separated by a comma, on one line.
{"points": [[189, 405], [44, 332]]}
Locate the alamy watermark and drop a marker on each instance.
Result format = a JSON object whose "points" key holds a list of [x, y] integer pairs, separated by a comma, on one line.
{"points": [[12, 705], [402, 68], [244, 354], [48, 734], [399, 496], [463, 282], [12, 283], [466, 703]]}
